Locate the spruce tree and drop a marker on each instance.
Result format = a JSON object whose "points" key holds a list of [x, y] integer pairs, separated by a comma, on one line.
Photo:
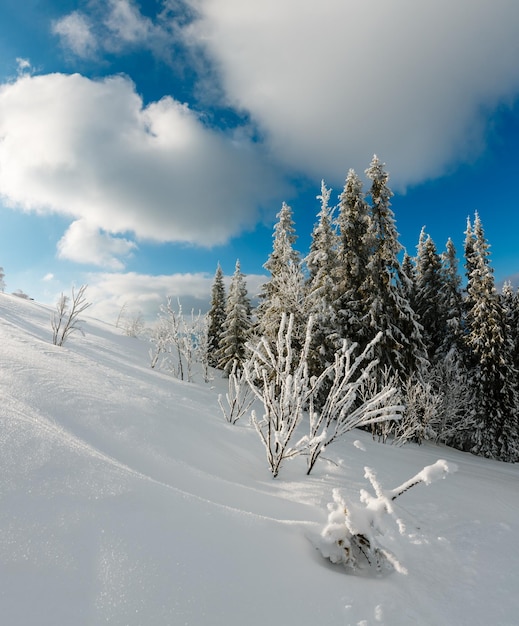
{"points": [[488, 338], [352, 259], [216, 317], [388, 309], [321, 263], [284, 292], [408, 277], [453, 301], [510, 301], [237, 325], [429, 301]]}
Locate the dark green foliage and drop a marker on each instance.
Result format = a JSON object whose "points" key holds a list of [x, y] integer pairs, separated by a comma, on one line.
{"points": [[387, 308], [216, 318], [458, 352], [237, 325], [321, 288], [494, 377]]}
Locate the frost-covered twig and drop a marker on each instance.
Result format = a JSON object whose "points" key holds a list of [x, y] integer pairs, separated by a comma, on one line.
{"points": [[239, 396], [177, 341], [348, 405], [281, 383], [66, 318]]}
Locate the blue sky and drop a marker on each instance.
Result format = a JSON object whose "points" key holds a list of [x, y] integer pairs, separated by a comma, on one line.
{"points": [[143, 143]]}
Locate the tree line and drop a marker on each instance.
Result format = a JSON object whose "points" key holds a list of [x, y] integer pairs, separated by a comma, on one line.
{"points": [[450, 351]]}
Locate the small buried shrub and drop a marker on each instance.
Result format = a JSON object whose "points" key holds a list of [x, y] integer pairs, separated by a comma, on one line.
{"points": [[351, 535]]}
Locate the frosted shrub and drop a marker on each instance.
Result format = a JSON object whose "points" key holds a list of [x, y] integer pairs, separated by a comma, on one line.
{"points": [[239, 397], [281, 380], [422, 406], [65, 320], [351, 536], [178, 342], [353, 399]]}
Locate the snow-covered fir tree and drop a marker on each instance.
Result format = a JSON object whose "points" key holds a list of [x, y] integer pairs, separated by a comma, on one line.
{"points": [[285, 291], [321, 263], [510, 302], [494, 378], [428, 300], [216, 317], [449, 374], [453, 300], [408, 278], [387, 308], [237, 325], [353, 256]]}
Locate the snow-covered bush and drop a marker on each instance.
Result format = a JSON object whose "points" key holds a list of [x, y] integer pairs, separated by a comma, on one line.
{"points": [[422, 405], [178, 342], [353, 400], [239, 397], [351, 536], [281, 380], [132, 323], [65, 319]]}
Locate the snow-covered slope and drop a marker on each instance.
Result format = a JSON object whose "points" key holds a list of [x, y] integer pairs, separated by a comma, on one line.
{"points": [[127, 500]]}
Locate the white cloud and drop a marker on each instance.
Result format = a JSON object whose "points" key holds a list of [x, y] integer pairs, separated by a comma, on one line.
{"points": [[23, 65], [114, 25], [90, 150], [84, 243], [75, 32], [48, 277], [144, 293], [333, 82], [126, 23]]}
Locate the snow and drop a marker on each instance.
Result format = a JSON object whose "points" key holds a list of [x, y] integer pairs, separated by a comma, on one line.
{"points": [[127, 499]]}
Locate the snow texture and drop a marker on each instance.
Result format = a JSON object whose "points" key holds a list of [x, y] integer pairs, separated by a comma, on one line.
{"points": [[127, 499]]}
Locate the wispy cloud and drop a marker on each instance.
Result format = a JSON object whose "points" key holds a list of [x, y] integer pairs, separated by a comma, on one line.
{"points": [[118, 25], [76, 34], [91, 150], [143, 293], [126, 23], [23, 65]]}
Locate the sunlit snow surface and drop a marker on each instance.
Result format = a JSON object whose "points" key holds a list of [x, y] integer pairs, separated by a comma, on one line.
{"points": [[126, 499]]}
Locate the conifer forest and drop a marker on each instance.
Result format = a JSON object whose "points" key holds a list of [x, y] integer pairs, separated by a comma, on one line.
{"points": [[427, 344]]}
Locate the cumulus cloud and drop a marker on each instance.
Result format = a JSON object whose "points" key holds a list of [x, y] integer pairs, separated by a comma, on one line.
{"points": [[331, 83], [144, 293], [91, 150], [75, 32], [85, 243]]}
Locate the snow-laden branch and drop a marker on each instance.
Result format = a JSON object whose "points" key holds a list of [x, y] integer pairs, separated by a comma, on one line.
{"points": [[348, 405], [239, 396], [279, 377], [179, 341], [282, 384], [351, 535]]}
